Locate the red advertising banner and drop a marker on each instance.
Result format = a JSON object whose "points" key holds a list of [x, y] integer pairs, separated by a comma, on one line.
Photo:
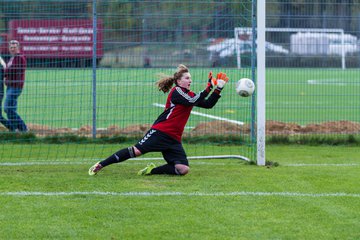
{"points": [[52, 38]]}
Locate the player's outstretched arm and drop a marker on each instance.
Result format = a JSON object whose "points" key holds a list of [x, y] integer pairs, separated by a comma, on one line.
{"points": [[220, 81], [181, 97]]}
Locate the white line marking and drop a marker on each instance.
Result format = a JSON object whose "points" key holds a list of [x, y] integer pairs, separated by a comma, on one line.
{"points": [[336, 82], [321, 164], [88, 84], [9, 164], [137, 161], [206, 115], [40, 163], [190, 194]]}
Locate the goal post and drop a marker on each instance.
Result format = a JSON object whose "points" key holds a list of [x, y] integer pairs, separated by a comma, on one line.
{"points": [[260, 81]]}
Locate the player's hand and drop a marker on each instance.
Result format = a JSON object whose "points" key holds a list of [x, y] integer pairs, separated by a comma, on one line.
{"points": [[212, 81], [221, 79]]}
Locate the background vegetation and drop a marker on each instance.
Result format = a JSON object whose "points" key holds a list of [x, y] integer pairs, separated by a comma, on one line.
{"points": [[211, 18]]}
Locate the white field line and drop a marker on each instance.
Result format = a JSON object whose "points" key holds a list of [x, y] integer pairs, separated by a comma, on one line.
{"points": [[185, 194], [206, 115], [70, 160], [336, 82], [193, 162], [88, 84], [9, 164], [321, 164]]}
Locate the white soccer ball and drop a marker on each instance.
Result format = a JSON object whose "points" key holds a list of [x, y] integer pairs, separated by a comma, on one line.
{"points": [[245, 87]]}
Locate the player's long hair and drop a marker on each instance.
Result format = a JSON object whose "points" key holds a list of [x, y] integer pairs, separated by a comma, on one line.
{"points": [[166, 82]]}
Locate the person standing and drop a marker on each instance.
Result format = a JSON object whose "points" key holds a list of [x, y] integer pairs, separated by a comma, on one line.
{"points": [[166, 133], [14, 81]]}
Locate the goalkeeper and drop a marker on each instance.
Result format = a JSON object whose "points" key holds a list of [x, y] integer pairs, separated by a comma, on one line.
{"points": [[166, 132]]}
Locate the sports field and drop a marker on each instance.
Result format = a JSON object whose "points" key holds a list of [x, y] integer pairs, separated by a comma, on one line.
{"points": [[313, 194], [64, 98]]}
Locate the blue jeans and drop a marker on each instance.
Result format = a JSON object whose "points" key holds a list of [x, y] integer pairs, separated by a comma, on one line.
{"points": [[14, 120], [3, 121]]}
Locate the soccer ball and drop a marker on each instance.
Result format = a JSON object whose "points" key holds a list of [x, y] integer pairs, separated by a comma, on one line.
{"points": [[245, 87]]}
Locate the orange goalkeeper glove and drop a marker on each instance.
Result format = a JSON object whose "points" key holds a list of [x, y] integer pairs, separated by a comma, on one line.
{"points": [[221, 80], [212, 81]]}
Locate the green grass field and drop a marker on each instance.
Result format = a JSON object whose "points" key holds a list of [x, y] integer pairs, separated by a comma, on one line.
{"points": [[63, 98], [313, 194], [46, 193]]}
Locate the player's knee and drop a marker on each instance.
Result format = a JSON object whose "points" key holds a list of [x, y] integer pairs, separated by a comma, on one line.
{"points": [[136, 151], [182, 169]]}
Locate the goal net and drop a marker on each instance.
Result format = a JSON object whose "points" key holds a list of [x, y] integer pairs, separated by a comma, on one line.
{"points": [[92, 68]]}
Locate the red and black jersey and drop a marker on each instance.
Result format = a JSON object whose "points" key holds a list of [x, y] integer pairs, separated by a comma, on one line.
{"points": [[178, 107]]}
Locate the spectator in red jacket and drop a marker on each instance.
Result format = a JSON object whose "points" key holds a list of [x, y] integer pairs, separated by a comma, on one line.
{"points": [[166, 132], [14, 81]]}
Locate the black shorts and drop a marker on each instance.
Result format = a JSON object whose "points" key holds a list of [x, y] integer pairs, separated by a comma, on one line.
{"points": [[157, 141]]}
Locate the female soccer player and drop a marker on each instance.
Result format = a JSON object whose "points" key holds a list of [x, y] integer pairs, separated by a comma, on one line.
{"points": [[165, 134]]}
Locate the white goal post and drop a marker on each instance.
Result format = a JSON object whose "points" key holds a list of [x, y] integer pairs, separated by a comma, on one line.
{"points": [[260, 82], [313, 35]]}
